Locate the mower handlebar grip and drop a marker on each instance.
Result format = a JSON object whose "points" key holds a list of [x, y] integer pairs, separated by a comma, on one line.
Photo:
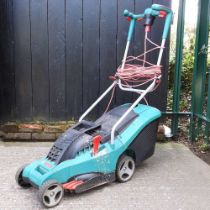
{"points": [[128, 14], [159, 7], [168, 20], [131, 15], [133, 19]]}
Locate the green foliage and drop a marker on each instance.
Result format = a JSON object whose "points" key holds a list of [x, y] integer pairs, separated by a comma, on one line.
{"points": [[204, 147], [186, 74], [170, 99], [187, 66]]}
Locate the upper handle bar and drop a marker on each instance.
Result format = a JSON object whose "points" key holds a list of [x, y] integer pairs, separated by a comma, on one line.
{"points": [[155, 10], [168, 20], [159, 7], [132, 15]]}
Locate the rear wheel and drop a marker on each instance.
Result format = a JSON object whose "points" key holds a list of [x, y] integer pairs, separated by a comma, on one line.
{"points": [[19, 178], [51, 193], [125, 168]]}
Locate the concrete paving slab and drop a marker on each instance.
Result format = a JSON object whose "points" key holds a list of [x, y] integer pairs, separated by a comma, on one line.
{"points": [[173, 179]]}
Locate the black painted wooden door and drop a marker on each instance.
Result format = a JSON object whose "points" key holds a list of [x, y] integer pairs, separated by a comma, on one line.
{"points": [[56, 55]]}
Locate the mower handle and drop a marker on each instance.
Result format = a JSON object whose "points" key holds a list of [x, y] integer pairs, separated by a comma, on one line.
{"points": [[133, 19], [155, 10], [169, 16], [132, 15], [159, 7]]}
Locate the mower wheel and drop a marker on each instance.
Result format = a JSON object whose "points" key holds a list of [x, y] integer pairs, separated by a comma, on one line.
{"points": [[19, 178], [125, 168], [51, 193]]}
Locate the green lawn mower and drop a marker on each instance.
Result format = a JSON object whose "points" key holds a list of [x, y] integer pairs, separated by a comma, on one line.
{"points": [[92, 153]]}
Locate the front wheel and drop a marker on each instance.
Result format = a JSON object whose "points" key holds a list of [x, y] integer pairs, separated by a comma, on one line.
{"points": [[19, 178], [125, 168], [51, 193]]}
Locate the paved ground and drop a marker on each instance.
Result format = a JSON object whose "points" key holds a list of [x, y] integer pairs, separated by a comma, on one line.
{"points": [[172, 179]]}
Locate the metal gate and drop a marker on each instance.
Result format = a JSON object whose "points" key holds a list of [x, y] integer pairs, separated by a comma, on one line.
{"points": [[200, 101]]}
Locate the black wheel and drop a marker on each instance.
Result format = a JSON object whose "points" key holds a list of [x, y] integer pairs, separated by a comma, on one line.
{"points": [[19, 178], [125, 168], [51, 193]]}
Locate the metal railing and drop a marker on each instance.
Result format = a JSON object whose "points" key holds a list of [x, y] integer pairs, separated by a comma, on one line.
{"points": [[200, 82]]}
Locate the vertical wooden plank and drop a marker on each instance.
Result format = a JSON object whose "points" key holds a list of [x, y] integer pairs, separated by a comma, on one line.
{"points": [[7, 98], [159, 97], [139, 34], [22, 56], [39, 52], [2, 23], [123, 25], [140, 7], [74, 58], [91, 11], [108, 33], [56, 30]]}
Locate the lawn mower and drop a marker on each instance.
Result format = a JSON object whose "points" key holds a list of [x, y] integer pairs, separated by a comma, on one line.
{"points": [[92, 153]]}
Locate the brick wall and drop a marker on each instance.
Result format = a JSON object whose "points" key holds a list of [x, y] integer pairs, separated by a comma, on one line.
{"points": [[13, 131]]}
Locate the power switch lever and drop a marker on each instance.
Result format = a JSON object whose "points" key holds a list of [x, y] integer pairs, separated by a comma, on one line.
{"points": [[96, 143]]}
